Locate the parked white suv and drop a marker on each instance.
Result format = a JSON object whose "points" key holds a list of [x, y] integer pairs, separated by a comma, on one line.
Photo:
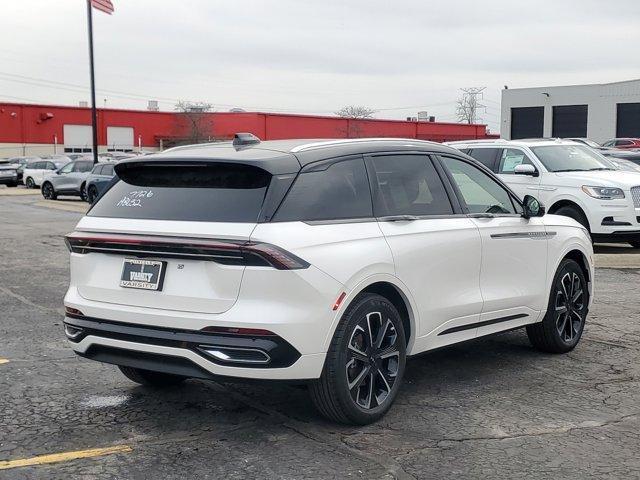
{"points": [[570, 179], [329, 262], [36, 171]]}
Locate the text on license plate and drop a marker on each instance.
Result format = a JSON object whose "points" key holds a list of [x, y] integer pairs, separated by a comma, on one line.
{"points": [[144, 274]]}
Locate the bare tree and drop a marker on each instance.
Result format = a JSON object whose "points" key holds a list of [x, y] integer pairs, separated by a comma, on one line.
{"points": [[468, 104], [194, 122], [355, 111]]}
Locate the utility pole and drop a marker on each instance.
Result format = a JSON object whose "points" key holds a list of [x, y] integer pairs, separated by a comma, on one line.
{"points": [[94, 114], [468, 104], [107, 7]]}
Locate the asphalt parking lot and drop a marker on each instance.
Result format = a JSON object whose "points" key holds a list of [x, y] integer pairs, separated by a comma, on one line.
{"points": [[493, 408]]}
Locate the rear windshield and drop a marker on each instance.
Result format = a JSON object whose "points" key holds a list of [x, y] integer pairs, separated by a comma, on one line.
{"points": [[213, 192]]}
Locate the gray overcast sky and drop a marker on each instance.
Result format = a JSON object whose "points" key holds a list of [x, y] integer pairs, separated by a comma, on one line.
{"points": [[313, 57]]}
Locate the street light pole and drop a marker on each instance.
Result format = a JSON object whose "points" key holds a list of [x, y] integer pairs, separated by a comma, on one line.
{"points": [[94, 114]]}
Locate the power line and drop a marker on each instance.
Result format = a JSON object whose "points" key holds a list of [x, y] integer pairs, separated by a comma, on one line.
{"points": [[450, 102], [77, 88]]}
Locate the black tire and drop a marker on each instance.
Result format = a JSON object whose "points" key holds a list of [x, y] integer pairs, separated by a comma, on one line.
{"points": [[30, 183], [92, 194], [635, 243], [48, 192], [577, 215], [149, 378], [377, 370], [562, 327], [83, 192]]}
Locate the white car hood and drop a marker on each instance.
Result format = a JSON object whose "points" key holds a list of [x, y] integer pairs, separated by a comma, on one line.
{"points": [[603, 178]]}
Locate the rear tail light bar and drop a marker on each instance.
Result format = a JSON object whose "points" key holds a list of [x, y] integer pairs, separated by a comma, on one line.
{"points": [[226, 252]]}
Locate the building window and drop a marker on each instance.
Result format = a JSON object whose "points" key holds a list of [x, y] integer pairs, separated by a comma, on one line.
{"points": [[77, 150]]}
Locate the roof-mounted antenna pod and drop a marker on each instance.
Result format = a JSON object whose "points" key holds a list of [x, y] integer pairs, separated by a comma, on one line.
{"points": [[244, 139]]}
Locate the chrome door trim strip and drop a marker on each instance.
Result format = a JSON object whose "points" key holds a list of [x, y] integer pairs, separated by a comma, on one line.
{"points": [[532, 235]]}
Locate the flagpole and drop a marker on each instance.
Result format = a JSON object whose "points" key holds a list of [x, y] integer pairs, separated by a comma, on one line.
{"points": [[94, 115]]}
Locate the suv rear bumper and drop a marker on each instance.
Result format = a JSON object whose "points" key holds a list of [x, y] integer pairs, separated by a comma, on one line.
{"points": [[8, 179], [190, 353]]}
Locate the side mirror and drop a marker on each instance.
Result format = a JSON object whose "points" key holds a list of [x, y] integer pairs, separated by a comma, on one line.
{"points": [[532, 207], [525, 169]]}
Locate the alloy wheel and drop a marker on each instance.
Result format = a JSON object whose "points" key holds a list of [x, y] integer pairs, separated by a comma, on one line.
{"points": [[47, 191], [373, 360], [569, 307]]}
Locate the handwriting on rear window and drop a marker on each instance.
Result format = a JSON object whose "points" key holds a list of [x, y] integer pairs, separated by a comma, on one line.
{"points": [[134, 198]]}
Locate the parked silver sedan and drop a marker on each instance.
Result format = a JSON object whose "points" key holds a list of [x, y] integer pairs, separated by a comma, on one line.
{"points": [[68, 180]]}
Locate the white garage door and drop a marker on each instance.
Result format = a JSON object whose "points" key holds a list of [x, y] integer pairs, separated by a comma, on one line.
{"points": [[77, 138], [120, 138]]}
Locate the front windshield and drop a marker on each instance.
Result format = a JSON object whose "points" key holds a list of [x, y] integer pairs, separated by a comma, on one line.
{"points": [[571, 158]]}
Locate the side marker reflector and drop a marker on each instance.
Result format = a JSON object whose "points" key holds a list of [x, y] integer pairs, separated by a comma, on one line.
{"points": [[336, 305]]}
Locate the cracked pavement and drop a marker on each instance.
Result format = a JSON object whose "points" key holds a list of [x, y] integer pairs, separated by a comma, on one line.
{"points": [[492, 408]]}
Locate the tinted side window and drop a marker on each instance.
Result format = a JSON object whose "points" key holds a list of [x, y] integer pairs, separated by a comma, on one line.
{"points": [[83, 167], [107, 170], [338, 192], [481, 193], [407, 185], [97, 170], [50, 166], [37, 165], [510, 159], [486, 156]]}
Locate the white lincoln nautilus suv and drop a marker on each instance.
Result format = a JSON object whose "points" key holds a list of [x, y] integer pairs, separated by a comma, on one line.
{"points": [[323, 261]]}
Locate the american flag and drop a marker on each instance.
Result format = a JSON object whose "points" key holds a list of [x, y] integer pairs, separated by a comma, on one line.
{"points": [[103, 5]]}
